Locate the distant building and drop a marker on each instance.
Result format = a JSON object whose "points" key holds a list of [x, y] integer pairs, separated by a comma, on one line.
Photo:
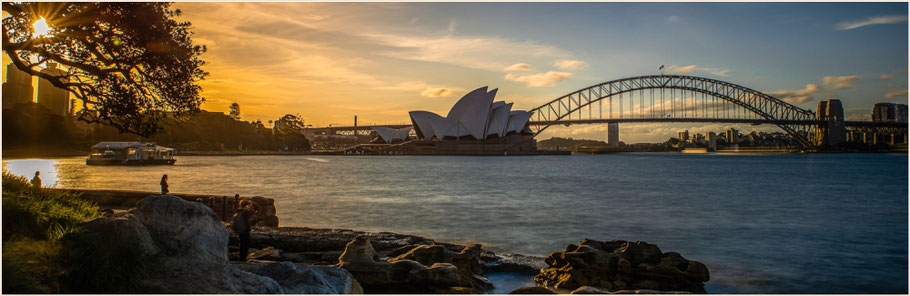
{"points": [[712, 141], [889, 112], [18, 87], [55, 99], [684, 136], [698, 138], [613, 134], [732, 136]]}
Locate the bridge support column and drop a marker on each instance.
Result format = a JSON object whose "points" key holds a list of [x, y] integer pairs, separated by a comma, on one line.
{"points": [[832, 131], [613, 134]]}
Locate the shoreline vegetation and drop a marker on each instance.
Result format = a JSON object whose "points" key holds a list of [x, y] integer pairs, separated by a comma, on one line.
{"points": [[84, 241]]}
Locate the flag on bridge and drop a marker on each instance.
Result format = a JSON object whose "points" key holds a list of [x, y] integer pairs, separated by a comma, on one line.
{"points": [[661, 67]]}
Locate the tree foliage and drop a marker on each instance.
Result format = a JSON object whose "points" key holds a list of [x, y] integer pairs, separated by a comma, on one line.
{"points": [[235, 111], [128, 63]]}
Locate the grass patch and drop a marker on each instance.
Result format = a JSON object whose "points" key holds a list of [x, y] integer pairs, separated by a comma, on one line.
{"points": [[41, 214], [35, 221]]}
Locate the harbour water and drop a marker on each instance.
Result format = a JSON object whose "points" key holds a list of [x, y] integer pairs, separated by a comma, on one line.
{"points": [[776, 223]]}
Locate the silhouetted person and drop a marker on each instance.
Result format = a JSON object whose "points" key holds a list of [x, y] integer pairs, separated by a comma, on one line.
{"points": [[164, 184], [36, 181], [242, 226]]}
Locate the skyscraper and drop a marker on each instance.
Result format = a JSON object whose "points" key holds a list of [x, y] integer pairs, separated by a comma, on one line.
{"points": [[53, 98], [17, 88], [732, 136]]}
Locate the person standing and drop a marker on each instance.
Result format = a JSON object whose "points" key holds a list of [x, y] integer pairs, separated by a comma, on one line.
{"points": [[164, 184], [36, 181], [241, 224]]}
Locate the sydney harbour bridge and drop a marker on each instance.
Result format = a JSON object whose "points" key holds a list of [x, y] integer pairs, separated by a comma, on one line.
{"points": [[680, 98]]}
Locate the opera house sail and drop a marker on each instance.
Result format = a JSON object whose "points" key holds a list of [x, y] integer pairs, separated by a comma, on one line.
{"points": [[475, 125], [475, 115]]}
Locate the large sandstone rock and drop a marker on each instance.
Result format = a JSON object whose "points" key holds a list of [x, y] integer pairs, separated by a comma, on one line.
{"points": [[298, 278], [198, 277], [397, 275], [184, 228], [184, 239], [621, 265], [467, 262]]}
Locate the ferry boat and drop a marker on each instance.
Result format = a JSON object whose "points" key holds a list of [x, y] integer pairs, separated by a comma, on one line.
{"points": [[130, 153]]}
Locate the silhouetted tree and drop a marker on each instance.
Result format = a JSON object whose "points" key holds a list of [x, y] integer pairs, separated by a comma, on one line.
{"points": [[128, 63], [289, 129], [235, 111]]}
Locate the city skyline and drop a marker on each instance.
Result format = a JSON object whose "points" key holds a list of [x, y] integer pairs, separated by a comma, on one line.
{"points": [[331, 61]]}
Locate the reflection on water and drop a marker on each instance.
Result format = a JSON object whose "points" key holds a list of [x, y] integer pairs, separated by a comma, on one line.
{"points": [[819, 223], [28, 167]]}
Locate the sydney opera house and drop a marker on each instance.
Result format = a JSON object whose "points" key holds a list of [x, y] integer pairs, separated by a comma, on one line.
{"points": [[475, 125]]}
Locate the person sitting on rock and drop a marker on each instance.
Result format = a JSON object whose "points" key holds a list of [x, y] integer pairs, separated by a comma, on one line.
{"points": [[242, 226], [36, 181]]}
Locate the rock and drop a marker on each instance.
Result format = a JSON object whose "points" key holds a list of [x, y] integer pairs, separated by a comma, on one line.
{"points": [[621, 265], [184, 228], [588, 290], [125, 229], [267, 253], [306, 279], [532, 290], [467, 262], [184, 241], [397, 275], [200, 277]]}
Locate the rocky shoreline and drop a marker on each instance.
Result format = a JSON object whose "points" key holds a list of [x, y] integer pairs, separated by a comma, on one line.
{"points": [[193, 250]]}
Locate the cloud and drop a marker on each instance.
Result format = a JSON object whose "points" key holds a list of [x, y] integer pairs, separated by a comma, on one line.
{"points": [[796, 96], [894, 85], [672, 19], [898, 93], [885, 76], [674, 69], [486, 53], [518, 67], [874, 20], [570, 64], [540, 80], [839, 82], [434, 92]]}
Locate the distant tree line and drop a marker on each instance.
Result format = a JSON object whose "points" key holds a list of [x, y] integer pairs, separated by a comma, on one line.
{"points": [[30, 128]]}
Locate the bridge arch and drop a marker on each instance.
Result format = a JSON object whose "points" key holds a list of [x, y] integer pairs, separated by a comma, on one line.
{"points": [[797, 122]]}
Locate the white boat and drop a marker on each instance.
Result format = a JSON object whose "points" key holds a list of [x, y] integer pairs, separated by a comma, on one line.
{"points": [[131, 153]]}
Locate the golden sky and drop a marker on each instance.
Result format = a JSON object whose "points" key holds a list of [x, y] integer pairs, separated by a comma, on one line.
{"points": [[331, 61]]}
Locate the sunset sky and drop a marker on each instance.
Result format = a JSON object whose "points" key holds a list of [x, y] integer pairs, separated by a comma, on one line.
{"points": [[331, 61]]}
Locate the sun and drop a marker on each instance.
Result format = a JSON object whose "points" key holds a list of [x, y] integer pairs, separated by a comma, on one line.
{"points": [[41, 27]]}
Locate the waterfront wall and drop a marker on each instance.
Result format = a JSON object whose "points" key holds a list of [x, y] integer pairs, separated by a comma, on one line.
{"points": [[224, 206]]}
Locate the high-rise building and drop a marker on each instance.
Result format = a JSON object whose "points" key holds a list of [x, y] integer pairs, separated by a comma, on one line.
{"points": [[18, 87], [712, 141], [55, 99], [732, 136], [613, 134], [684, 136], [889, 112]]}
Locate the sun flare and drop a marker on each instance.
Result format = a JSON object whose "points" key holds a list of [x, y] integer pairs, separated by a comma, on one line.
{"points": [[41, 27]]}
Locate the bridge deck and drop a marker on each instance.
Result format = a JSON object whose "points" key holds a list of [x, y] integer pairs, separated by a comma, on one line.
{"points": [[643, 120]]}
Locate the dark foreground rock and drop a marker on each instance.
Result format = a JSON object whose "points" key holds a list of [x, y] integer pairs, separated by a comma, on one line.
{"points": [[532, 290], [188, 244], [299, 278], [405, 274], [621, 265]]}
